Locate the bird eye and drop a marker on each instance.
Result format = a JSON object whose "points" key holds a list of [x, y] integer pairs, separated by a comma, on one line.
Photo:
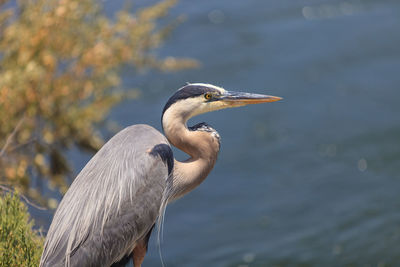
{"points": [[207, 96]]}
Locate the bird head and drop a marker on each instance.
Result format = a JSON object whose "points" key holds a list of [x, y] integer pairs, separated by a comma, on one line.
{"points": [[198, 98]]}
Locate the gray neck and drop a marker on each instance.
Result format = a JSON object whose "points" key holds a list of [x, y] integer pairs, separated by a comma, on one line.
{"points": [[201, 146]]}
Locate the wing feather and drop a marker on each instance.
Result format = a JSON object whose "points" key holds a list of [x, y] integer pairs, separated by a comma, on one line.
{"points": [[112, 203]]}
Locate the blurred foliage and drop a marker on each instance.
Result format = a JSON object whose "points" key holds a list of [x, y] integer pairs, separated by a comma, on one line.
{"points": [[19, 244], [59, 77]]}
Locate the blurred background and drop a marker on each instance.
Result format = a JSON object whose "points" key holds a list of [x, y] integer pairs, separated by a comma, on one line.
{"points": [[312, 180]]}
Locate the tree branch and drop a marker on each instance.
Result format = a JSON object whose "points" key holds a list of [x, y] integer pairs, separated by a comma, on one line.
{"points": [[5, 188], [11, 136]]}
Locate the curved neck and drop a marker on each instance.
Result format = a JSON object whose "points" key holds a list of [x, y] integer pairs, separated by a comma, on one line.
{"points": [[202, 148]]}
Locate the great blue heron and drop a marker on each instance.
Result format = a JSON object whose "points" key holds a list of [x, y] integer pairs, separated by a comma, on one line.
{"points": [[109, 211]]}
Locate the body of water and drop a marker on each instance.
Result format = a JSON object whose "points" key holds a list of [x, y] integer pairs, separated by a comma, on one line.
{"points": [[312, 180]]}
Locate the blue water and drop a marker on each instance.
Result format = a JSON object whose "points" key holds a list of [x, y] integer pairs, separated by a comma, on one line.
{"points": [[312, 180]]}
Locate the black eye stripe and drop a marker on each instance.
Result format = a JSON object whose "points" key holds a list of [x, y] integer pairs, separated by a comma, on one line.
{"points": [[189, 91]]}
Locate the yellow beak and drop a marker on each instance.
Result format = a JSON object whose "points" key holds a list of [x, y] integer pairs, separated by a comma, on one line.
{"points": [[235, 99]]}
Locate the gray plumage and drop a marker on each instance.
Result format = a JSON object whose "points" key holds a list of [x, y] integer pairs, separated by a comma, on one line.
{"points": [[102, 225], [111, 207]]}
